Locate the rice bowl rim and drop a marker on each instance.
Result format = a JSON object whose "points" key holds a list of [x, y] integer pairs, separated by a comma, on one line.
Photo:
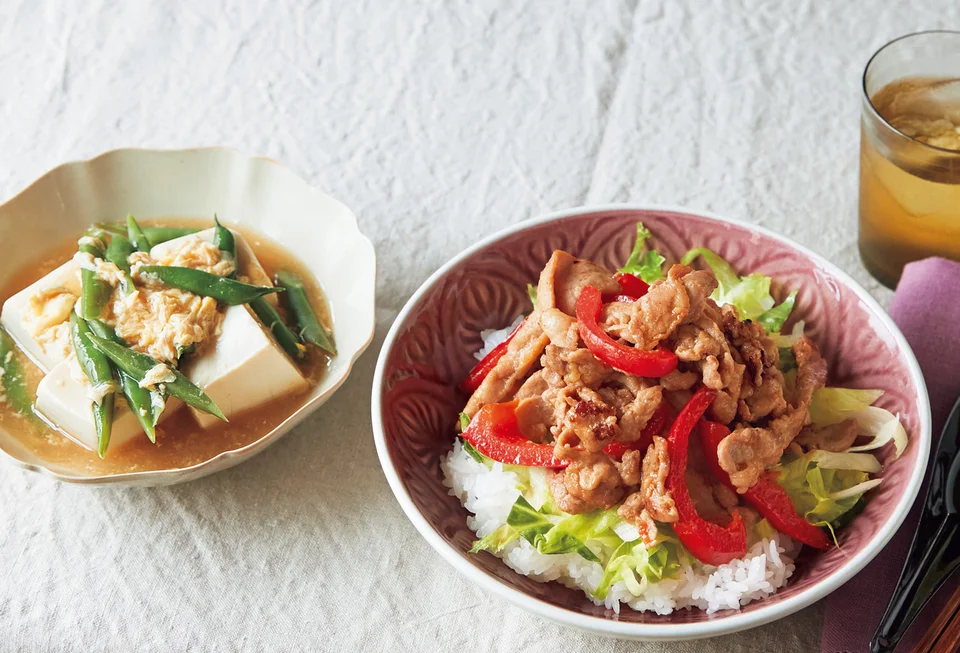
{"points": [[730, 621]]}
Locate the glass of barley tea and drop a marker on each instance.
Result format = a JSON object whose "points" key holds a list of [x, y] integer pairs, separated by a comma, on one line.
{"points": [[910, 154]]}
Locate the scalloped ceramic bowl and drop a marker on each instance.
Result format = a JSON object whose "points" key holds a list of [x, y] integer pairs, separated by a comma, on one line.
{"points": [[252, 191], [429, 350]]}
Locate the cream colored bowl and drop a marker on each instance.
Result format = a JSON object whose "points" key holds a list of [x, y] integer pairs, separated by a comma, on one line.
{"points": [[249, 191]]}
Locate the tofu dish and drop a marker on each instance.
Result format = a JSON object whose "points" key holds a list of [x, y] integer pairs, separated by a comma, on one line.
{"points": [[656, 437], [158, 345]]}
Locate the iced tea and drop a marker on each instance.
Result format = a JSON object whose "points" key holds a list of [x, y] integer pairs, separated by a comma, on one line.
{"points": [[910, 174]]}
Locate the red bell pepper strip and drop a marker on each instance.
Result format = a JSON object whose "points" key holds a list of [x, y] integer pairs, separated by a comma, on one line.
{"points": [[495, 433], [631, 360], [653, 427], [708, 542], [631, 286], [766, 496], [481, 369]]}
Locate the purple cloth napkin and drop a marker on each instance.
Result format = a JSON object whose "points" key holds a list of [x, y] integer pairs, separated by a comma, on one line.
{"points": [[926, 307]]}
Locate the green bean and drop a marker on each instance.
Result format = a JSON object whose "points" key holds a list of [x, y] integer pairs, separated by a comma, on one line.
{"points": [[118, 252], [271, 319], [228, 291], [310, 328], [225, 242], [14, 387], [157, 235], [137, 365], [186, 351], [95, 292], [143, 402], [111, 227], [136, 235], [268, 315], [99, 371]]}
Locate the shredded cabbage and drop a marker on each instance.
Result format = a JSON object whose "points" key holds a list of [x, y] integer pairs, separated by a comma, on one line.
{"points": [[764, 530], [495, 541], [773, 319], [750, 295], [789, 340], [882, 426], [822, 495], [861, 462], [469, 448], [552, 533], [855, 491], [570, 533], [532, 294], [540, 495], [648, 265], [833, 405], [636, 566]]}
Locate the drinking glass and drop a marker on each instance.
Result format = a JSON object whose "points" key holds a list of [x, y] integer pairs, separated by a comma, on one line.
{"points": [[910, 153]]}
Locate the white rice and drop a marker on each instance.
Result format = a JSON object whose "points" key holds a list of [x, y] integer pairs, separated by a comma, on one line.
{"points": [[489, 493], [493, 337]]}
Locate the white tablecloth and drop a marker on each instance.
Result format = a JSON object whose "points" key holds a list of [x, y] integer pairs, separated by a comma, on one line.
{"points": [[439, 123]]}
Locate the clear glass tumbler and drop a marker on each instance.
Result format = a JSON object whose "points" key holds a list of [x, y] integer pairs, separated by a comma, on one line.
{"points": [[910, 154]]}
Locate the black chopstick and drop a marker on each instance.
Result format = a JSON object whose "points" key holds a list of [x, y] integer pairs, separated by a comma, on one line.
{"points": [[934, 554]]}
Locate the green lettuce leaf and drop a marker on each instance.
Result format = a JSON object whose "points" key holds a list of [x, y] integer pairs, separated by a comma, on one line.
{"points": [[822, 495], [727, 278], [764, 530], [833, 405], [540, 494], [469, 448], [537, 529], [636, 566], [570, 533], [643, 263], [527, 520], [750, 295], [787, 360], [495, 541], [787, 341], [473, 453], [548, 534], [532, 294], [772, 320]]}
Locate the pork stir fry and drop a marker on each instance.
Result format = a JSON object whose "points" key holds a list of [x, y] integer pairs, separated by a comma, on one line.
{"points": [[659, 414], [594, 376]]}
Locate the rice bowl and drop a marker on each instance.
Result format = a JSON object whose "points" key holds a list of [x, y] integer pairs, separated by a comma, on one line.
{"points": [[426, 354]]}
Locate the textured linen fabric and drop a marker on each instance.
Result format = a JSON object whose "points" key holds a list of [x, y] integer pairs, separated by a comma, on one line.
{"points": [[923, 310], [438, 123]]}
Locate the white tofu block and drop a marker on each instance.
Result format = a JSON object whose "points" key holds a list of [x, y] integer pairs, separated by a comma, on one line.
{"points": [[244, 369], [64, 402], [247, 263], [11, 318]]}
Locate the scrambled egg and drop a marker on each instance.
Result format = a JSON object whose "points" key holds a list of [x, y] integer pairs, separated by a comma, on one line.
{"points": [[154, 319], [195, 253], [46, 317], [157, 375]]}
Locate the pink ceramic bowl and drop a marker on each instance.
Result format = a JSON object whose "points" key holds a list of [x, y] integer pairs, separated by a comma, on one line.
{"points": [[429, 350]]}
